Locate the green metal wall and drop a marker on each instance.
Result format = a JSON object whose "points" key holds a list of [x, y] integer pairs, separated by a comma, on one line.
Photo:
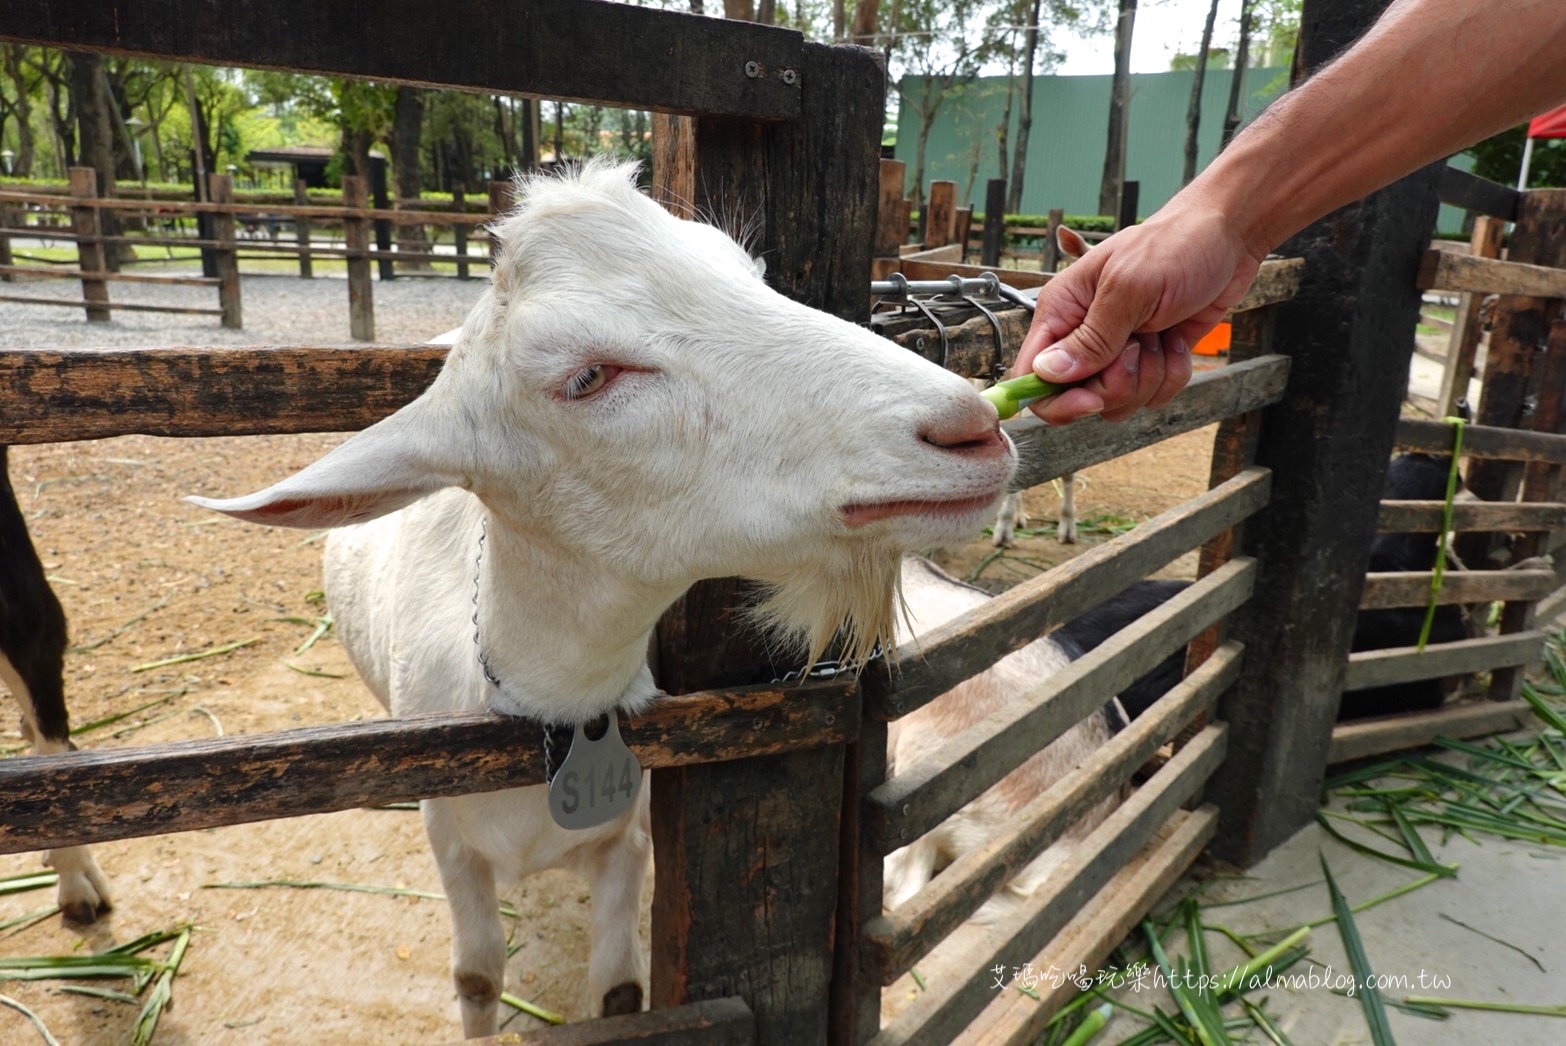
{"points": [[1070, 118]]}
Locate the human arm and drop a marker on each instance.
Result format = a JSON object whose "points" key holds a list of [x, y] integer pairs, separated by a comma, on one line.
{"points": [[1128, 312]]}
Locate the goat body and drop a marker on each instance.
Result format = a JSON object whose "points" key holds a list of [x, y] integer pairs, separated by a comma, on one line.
{"points": [[628, 410], [933, 598], [32, 666]]}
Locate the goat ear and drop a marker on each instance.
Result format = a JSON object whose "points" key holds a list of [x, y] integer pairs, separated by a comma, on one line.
{"points": [[1072, 245], [380, 470]]}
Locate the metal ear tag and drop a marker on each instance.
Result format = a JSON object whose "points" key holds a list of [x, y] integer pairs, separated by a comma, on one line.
{"points": [[598, 780]]}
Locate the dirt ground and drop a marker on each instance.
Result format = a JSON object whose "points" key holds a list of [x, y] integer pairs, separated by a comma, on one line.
{"points": [[145, 577]]}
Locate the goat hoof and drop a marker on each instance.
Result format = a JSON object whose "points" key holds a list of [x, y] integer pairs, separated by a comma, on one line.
{"points": [[623, 998], [84, 912]]}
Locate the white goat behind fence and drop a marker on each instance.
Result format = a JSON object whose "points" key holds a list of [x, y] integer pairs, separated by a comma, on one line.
{"points": [[628, 410], [934, 598]]}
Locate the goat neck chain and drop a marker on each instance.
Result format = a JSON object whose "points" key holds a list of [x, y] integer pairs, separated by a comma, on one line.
{"points": [[557, 736]]}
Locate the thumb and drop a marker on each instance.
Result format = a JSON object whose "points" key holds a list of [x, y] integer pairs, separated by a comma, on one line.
{"points": [[1093, 345]]}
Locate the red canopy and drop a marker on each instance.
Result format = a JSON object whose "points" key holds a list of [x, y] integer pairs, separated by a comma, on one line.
{"points": [[1548, 125]]}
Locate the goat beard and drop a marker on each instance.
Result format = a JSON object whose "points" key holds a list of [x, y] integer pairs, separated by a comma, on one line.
{"points": [[850, 606]]}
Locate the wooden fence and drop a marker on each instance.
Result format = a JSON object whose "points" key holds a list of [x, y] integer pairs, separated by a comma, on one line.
{"points": [[796, 948], [222, 249]]}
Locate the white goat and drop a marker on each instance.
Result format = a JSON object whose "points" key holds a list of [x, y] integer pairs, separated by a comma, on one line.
{"points": [[934, 598], [628, 410]]}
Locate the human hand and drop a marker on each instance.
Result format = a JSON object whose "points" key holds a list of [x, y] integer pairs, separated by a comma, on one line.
{"points": [[1121, 321]]}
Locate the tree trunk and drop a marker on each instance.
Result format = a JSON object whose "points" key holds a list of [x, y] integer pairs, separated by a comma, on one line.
{"points": [[22, 165], [867, 13], [740, 10], [1119, 102], [1242, 56], [1193, 112], [1019, 161], [559, 131], [838, 18], [95, 134], [406, 145], [527, 160], [1003, 129], [766, 11]]}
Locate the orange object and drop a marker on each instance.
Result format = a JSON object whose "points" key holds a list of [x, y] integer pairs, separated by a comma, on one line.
{"points": [[1215, 342]]}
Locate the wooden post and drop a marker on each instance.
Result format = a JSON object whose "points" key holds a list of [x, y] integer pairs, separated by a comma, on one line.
{"points": [[994, 222], [356, 236], [1328, 443], [1049, 261], [962, 226], [747, 851], [459, 231], [891, 229], [1130, 198], [941, 207], [1511, 366], [89, 249], [302, 230], [383, 236], [501, 197], [225, 256], [1464, 343]]}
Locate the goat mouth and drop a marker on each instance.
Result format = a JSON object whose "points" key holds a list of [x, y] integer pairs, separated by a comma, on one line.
{"points": [[860, 515]]}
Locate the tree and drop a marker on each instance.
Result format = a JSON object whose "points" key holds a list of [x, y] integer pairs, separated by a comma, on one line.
{"points": [[1500, 158], [407, 130], [95, 139], [1242, 53], [1193, 112], [18, 104], [1019, 163], [1119, 105]]}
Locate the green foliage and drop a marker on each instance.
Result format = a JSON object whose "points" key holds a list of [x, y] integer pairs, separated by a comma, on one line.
{"points": [[1500, 158]]}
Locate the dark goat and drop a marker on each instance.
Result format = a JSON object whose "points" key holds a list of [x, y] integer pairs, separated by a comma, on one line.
{"points": [[1110, 616], [32, 666], [1410, 477]]}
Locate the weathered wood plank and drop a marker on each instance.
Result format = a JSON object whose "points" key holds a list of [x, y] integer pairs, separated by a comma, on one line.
{"points": [[1369, 737], [1405, 664], [90, 256], [1425, 517], [959, 974], [940, 217], [1277, 280], [49, 396], [960, 649], [713, 1022], [1483, 441], [119, 306], [1412, 588], [87, 797], [1046, 452], [1473, 193], [1022, 279], [962, 767], [896, 940], [578, 50], [891, 228], [1462, 347], [1014, 1019], [1446, 271], [113, 277], [274, 210], [225, 257]]}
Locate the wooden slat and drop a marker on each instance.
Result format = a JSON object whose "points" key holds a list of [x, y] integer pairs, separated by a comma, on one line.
{"points": [[947, 655], [1277, 280], [1411, 588], [55, 395], [1368, 737], [1471, 192], [1550, 607], [960, 977], [962, 767], [1483, 441], [122, 277], [1014, 1019], [1462, 347], [713, 1022], [578, 50], [1405, 664], [1446, 271], [1425, 517], [120, 306], [948, 252], [88, 797], [1046, 452], [897, 940], [257, 210]]}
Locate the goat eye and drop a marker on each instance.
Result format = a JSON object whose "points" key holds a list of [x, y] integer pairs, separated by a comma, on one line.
{"points": [[588, 380]]}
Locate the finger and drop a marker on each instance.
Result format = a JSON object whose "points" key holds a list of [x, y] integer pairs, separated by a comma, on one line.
{"points": [[1149, 379], [1102, 335], [1177, 368], [1062, 304], [1071, 405]]}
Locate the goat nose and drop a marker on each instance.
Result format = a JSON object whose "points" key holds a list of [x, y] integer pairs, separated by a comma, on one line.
{"points": [[976, 434]]}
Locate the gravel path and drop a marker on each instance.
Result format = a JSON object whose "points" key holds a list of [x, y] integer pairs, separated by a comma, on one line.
{"points": [[278, 310]]}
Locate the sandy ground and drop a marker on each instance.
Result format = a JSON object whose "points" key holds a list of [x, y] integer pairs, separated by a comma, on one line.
{"points": [[144, 577]]}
